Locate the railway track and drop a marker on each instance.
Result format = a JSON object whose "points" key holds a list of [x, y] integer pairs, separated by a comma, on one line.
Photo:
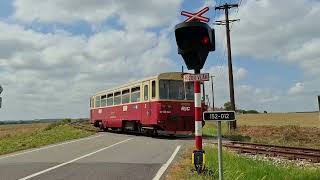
{"points": [[81, 125], [309, 154]]}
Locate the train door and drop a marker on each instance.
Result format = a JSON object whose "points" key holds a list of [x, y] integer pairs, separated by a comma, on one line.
{"points": [[146, 109]]}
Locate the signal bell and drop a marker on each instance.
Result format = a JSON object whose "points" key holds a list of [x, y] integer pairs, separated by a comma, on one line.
{"points": [[195, 40]]}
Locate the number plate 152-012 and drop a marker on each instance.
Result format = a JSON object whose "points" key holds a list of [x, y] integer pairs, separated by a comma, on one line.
{"points": [[219, 116]]}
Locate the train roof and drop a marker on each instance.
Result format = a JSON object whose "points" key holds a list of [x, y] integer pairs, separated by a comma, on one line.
{"points": [[167, 75]]}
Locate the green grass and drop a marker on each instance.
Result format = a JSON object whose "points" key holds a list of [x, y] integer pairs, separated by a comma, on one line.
{"points": [[210, 129], [52, 134], [240, 168]]}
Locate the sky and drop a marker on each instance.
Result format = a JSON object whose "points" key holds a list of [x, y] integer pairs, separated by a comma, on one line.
{"points": [[55, 54]]}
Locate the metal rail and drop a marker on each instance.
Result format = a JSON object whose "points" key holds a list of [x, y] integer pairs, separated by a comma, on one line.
{"points": [[309, 154]]}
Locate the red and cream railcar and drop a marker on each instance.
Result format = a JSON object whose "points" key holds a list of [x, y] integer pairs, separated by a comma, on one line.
{"points": [[163, 102]]}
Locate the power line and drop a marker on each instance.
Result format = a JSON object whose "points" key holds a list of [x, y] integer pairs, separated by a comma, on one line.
{"points": [[239, 4], [237, 13]]}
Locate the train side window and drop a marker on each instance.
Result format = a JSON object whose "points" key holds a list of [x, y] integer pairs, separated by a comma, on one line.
{"points": [[146, 95], [110, 99], [153, 91], [103, 100], [135, 94], [97, 101], [125, 96], [117, 98]]}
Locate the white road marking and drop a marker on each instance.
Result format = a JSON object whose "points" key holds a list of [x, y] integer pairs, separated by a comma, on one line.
{"points": [[76, 159], [50, 146], [166, 165]]}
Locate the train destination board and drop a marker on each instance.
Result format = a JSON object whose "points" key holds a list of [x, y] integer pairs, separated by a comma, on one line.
{"points": [[219, 116]]}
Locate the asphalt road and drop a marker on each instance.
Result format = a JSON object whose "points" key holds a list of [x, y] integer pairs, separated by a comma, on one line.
{"points": [[104, 156]]}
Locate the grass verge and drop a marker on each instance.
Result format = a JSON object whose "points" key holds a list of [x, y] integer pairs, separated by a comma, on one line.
{"points": [[210, 129], [238, 167], [53, 133]]}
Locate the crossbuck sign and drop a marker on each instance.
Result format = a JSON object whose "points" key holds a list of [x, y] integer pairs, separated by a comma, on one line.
{"points": [[196, 16]]}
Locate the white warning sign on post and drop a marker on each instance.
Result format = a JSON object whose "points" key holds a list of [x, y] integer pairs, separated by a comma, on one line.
{"points": [[196, 77]]}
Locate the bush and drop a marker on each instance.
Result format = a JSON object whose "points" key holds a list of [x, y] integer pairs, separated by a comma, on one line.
{"points": [[58, 123], [252, 112]]}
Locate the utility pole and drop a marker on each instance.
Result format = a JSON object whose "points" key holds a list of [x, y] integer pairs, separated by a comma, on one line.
{"points": [[212, 93], [1, 89], [208, 101], [226, 7], [319, 102]]}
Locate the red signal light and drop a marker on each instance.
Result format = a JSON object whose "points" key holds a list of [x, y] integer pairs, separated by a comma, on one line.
{"points": [[205, 40]]}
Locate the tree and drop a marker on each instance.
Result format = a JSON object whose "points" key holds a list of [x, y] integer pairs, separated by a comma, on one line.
{"points": [[227, 106], [252, 111]]}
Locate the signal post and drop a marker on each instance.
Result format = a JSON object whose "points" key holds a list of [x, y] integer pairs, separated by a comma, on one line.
{"points": [[198, 115], [197, 78], [195, 39]]}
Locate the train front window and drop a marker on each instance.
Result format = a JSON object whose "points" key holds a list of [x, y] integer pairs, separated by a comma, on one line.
{"points": [[176, 90]]}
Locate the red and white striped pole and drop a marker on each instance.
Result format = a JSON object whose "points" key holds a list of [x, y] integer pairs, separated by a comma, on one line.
{"points": [[198, 115]]}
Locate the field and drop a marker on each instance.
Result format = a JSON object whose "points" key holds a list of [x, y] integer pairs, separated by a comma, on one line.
{"points": [[239, 167], [280, 119], [25, 136], [288, 129], [14, 129]]}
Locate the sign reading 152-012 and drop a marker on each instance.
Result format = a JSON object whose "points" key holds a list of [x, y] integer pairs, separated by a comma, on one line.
{"points": [[219, 116]]}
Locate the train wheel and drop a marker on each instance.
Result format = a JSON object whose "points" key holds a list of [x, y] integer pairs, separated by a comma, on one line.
{"points": [[139, 129], [152, 132], [105, 129], [96, 124], [155, 132], [101, 125], [149, 132]]}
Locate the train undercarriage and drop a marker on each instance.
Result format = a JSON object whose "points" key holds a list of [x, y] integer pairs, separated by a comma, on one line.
{"points": [[134, 126]]}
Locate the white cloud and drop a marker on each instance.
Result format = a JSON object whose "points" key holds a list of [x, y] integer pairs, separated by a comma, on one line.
{"points": [[272, 30], [209, 3], [300, 97], [221, 82], [53, 75], [296, 89], [240, 73], [133, 14]]}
